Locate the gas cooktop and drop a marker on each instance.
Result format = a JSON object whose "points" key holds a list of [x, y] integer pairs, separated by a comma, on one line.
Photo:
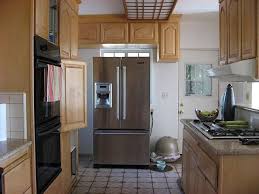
{"points": [[213, 131]]}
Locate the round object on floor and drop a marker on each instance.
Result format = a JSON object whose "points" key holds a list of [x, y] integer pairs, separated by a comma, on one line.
{"points": [[167, 146], [166, 169]]}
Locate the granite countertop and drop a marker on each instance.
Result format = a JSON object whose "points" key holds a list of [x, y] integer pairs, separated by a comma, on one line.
{"points": [[222, 146], [11, 147]]}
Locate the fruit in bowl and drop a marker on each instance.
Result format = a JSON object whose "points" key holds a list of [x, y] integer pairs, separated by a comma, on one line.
{"points": [[207, 116]]}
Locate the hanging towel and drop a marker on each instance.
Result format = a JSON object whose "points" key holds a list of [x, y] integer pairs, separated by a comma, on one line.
{"points": [[54, 83]]}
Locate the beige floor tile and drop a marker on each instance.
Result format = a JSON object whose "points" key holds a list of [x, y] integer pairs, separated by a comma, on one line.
{"points": [[161, 191], [160, 185], [145, 185], [144, 180], [145, 191]]}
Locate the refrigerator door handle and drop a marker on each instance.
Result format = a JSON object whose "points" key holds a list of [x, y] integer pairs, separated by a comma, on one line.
{"points": [[124, 92], [118, 91]]}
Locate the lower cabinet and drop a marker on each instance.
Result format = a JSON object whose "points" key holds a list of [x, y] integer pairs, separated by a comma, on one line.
{"points": [[16, 177], [73, 102], [194, 181]]}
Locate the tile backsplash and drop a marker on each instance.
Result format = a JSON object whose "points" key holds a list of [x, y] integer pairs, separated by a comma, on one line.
{"points": [[13, 116]]}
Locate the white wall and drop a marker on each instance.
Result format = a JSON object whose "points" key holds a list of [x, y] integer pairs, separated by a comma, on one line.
{"points": [[85, 135], [199, 31]]}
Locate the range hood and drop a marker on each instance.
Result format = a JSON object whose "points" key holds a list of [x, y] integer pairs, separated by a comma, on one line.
{"points": [[242, 71]]}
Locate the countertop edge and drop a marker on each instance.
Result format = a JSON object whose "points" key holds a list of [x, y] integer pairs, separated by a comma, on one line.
{"points": [[7, 156]]}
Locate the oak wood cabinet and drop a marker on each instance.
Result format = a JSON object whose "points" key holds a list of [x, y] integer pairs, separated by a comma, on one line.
{"points": [[144, 33], [68, 30], [248, 22], [114, 33], [234, 30], [18, 179], [73, 102], [238, 30], [223, 32], [169, 42], [16, 175], [42, 18], [89, 33], [74, 35], [65, 32], [99, 29]]}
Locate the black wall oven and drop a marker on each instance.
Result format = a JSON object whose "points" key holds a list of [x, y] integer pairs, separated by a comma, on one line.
{"points": [[47, 67]]}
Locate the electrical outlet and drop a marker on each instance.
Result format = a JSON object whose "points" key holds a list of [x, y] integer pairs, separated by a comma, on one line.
{"points": [[164, 94]]}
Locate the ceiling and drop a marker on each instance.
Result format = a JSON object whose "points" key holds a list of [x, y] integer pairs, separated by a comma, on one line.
{"points": [[95, 7]]}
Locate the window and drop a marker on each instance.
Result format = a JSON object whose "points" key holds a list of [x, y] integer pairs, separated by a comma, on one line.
{"points": [[124, 53], [196, 80]]}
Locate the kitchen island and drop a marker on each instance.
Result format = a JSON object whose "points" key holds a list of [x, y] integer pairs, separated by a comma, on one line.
{"points": [[221, 166]]}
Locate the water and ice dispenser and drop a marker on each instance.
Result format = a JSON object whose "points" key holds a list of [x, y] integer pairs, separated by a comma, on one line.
{"points": [[103, 95]]}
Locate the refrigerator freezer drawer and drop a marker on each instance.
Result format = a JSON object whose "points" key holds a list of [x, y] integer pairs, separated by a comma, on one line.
{"points": [[121, 147]]}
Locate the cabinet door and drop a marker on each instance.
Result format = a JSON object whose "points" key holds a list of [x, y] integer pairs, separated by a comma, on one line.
{"points": [[186, 168], [234, 30], [114, 33], [249, 29], [169, 42], [73, 106], [208, 189], [74, 34], [143, 33], [65, 30], [89, 33], [42, 18], [223, 32], [18, 180]]}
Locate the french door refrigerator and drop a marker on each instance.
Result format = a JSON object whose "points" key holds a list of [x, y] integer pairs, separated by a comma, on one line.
{"points": [[121, 110]]}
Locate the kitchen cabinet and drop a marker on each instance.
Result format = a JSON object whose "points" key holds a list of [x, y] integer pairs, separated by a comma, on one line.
{"points": [[99, 29], [89, 33], [249, 30], [73, 102], [114, 33], [66, 161], [42, 18], [144, 33], [74, 35], [65, 32], [234, 30], [169, 42], [238, 30], [18, 179], [68, 31], [223, 32], [16, 175], [199, 173]]}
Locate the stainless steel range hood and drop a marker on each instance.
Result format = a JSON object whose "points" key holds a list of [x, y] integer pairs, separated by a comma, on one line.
{"points": [[243, 71]]}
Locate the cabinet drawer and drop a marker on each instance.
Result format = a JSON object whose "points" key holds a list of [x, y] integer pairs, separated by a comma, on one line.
{"points": [[18, 180], [207, 166]]}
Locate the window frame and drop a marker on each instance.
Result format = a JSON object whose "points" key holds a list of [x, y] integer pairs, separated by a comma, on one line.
{"points": [[126, 51]]}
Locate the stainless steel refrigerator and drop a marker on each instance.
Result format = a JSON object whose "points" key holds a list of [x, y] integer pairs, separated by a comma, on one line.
{"points": [[121, 110]]}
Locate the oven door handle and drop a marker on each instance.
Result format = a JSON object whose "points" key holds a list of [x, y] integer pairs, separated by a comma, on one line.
{"points": [[48, 132]]}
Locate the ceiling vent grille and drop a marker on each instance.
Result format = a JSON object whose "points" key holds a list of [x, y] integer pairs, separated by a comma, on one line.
{"points": [[149, 9]]}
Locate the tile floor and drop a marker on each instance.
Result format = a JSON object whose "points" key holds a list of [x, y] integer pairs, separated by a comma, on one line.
{"points": [[126, 180]]}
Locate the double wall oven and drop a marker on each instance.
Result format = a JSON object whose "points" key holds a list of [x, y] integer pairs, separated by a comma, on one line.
{"points": [[47, 112]]}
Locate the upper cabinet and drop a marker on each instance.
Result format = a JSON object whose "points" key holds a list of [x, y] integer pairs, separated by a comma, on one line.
{"points": [[42, 18], [114, 29], [143, 33], [73, 102], [234, 30], [249, 35], [223, 32], [68, 37], [74, 35], [169, 42], [64, 37], [89, 33], [238, 30], [114, 33]]}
